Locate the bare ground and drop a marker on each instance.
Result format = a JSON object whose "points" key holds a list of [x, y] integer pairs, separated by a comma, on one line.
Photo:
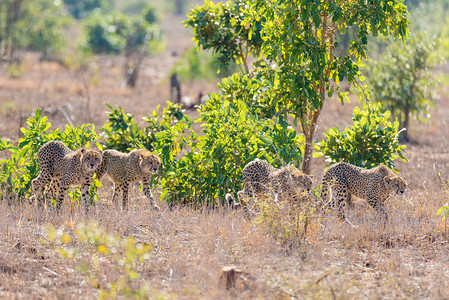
{"points": [[406, 259]]}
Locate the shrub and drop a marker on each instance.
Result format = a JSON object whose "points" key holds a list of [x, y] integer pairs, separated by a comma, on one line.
{"points": [[115, 32], [403, 80], [122, 133], [371, 140], [82, 8], [195, 65], [232, 135], [17, 172], [286, 222]]}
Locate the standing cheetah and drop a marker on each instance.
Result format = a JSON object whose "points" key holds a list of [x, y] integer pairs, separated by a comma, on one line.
{"points": [[62, 167], [259, 177], [125, 168], [374, 185]]}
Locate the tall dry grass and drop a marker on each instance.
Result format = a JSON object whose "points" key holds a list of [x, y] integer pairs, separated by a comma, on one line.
{"points": [[407, 258]]}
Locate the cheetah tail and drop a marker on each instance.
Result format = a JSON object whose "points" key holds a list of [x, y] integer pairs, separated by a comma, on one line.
{"points": [[231, 201]]}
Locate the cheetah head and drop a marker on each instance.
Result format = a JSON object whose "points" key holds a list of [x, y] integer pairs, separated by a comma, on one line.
{"points": [[90, 159], [149, 162], [395, 183], [301, 182]]}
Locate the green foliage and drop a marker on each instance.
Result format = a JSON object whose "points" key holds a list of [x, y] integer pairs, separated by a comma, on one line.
{"points": [[82, 8], [231, 136], [223, 28], [402, 79], [17, 172], [370, 141], [443, 212], [124, 255], [194, 65], [150, 14], [37, 25], [14, 69], [47, 31], [115, 32], [296, 43], [122, 133]]}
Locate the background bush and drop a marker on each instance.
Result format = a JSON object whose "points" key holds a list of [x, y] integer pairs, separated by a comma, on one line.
{"points": [[17, 172], [370, 141]]}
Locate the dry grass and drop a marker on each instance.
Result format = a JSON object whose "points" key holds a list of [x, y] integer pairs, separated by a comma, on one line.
{"points": [[405, 259]]}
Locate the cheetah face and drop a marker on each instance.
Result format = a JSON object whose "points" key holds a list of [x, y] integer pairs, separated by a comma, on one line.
{"points": [[396, 184], [90, 159], [149, 164], [156, 163]]}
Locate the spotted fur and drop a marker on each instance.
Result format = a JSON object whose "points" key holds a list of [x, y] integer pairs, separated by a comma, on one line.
{"points": [[125, 168], [259, 178], [374, 185], [61, 167]]}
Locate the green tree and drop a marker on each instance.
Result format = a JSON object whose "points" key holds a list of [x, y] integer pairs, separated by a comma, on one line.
{"points": [[117, 33], [82, 8], [297, 42], [34, 25], [402, 79]]}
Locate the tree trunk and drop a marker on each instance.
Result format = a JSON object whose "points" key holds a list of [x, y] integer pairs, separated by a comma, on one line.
{"points": [[404, 134], [309, 133]]}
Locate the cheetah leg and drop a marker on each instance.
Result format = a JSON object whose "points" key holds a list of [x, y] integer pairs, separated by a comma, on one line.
{"points": [[244, 197], [125, 189], [324, 195], [61, 194], [147, 191], [51, 190], [117, 192], [379, 207], [340, 199], [38, 185], [64, 183], [85, 192]]}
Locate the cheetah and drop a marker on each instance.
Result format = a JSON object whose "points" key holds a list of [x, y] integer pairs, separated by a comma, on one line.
{"points": [[374, 185], [61, 167], [259, 177], [125, 168]]}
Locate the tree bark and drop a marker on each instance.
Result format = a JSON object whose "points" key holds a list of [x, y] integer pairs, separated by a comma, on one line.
{"points": [[405, 136]]}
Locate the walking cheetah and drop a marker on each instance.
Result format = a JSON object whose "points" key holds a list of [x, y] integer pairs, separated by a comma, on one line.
{"points": [[62, 167], [125, 168], [259, 177], [374, 185]]}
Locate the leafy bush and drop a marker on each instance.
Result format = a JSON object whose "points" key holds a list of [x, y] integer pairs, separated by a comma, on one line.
{"points": [[124, 255], [286, 222], [232, 135], [115, 32], [195, 65], [122, 133], [371, 140], [37, 25], [82, 8], [17, 172], [402, 79]]}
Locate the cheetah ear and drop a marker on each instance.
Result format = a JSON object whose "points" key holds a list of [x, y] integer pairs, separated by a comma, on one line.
{"points": [[83, 150], [388, 179]]}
